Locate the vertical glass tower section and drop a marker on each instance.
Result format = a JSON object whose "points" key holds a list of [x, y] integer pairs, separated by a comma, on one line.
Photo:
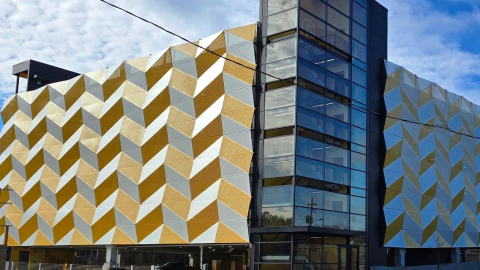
{"points": [[310, 210]]}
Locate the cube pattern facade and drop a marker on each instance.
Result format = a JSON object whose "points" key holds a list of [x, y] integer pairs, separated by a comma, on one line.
{"points": [[156, 150], [431, 173]]}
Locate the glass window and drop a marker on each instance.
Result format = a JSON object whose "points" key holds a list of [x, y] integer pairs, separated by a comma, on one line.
{"points": [[279, 146], [311, 52], [310, 100], [337, 110], [335, 220], [338, 20], [281, 50], [310, 168], [358, 192], [362, 2], [278, 167], [359, 119], [274, 266], [275, 6], [304, 196], [337, 156], [357, 223], [359, 162], [359, 51], [315, 7], [338, 66], [308, 217], [280, 118], [338, 39], [358, 148], [359, 63], [282, 69], [359, 179], [359, 94], [311, 120], [277, 196], [277, 216], [281, 22], [358, 205], [311, 72], [275, 251], [336, 202], [360, 14], [359, 136], [338, 129], [338, 85], [310, 148], [312, 25], [359, 33], [359, 76], [336, 174], [280, 98], [342, 5]]}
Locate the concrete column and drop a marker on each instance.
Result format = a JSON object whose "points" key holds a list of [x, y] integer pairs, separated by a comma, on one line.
{"points": [[111, 257], [455, 255], [399, 256]]}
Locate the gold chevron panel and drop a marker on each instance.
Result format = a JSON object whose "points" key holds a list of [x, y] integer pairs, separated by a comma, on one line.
{"points": [[156, 150]]}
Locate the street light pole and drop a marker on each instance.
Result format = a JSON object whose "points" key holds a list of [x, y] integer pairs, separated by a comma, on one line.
{"points": [[311, 204]]}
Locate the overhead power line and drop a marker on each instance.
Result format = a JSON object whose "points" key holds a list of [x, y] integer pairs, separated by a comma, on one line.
{"points": [[280, 79]]}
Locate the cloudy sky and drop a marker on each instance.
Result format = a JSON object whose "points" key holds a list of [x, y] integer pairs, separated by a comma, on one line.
{"points": [[436, 39]]}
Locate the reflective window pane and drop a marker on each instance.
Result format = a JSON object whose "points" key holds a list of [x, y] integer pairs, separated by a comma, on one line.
{"points": [[338, 66], [304, 196], [358, 192], [310, 72], [336, 202], [275, 6], [359, 136], [312, 25], [359, 94], [337, 156], [338, 39], [310, 148], [307, 217], [278, 167], [318, 8], [336, 174], [357, 223], [359, 63], [280, 98], [359, 32], [358, 148], [277, 216], [279, 146], [338, 129], [274, 266], [310, 168], [281, 50], [281, 22], [359, 76], [342, 5], [311, 120], [311, 52], [359, 179], [282, 69], [359, 161], [358, 205], [335, 220], [338, 20], [311, 100], [362, 2], [275, 251], [337, 110], [359, 51], [360, 14], [277, 196], [359, 119], [338, 85], [280, 118]]}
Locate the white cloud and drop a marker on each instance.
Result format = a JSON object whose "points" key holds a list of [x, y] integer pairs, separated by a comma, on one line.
{"points": [[427, 42], [84, 36]]}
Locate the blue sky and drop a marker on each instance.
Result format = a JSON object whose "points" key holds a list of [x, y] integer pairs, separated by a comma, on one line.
{"points": [[436, 39]]}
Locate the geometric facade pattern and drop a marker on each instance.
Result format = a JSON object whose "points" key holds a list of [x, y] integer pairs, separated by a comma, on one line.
{"points": [[432, 174], [156, 150]]}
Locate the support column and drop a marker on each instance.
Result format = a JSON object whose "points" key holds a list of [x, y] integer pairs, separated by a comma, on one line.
{"points": [[399, 256], [111, 257], [194, 260], [201, 257], [455, 255]]}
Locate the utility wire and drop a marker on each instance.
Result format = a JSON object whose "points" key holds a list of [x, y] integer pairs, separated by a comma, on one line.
{"points": [[280, 79]]}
